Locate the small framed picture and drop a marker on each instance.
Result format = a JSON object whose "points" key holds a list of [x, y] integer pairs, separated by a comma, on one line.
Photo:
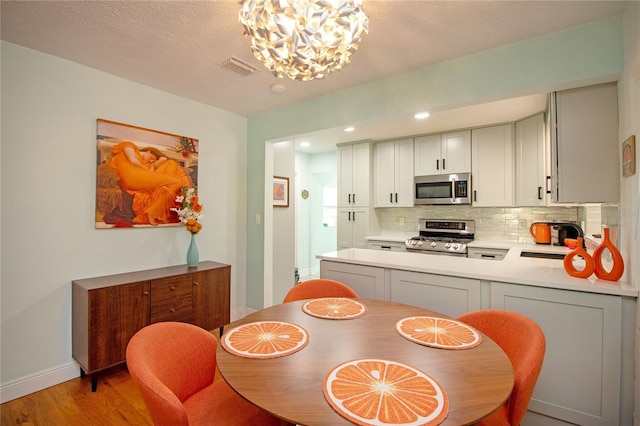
{"points": [[280, 191], [629, 156]]}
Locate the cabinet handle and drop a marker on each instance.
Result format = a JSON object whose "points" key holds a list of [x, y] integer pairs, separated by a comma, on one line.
{"points": [[548, 184], [172, 288], [172, 310], [437, 164], [145, 293], [349, 198], [475, 195], [195, 283], [443, 164], [354, 216], [539, 193], [391, 197], [396, 197], [354, 198], [349, 216]]}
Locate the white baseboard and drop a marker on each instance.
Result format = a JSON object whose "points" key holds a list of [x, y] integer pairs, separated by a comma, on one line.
{"points": [[241, 313], [46, 378], [38, 381]]}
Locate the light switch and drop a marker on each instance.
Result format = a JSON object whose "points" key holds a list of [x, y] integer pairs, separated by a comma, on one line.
{"points": [[401, 221], [258, 219]]}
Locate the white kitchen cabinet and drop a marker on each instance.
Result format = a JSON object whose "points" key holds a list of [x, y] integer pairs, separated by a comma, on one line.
{"points": [[584, 368], [451, 296], [368, 281], [353, 227], [492, 160], [585, 145], [445, 153], [354, 175], [393, 173], [531, 164]]}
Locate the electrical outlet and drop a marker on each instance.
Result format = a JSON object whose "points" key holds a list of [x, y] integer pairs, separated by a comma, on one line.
{"points": [[401, 221]]}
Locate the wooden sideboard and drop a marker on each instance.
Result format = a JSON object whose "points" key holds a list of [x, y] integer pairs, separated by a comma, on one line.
{"points": [[107, 311]]}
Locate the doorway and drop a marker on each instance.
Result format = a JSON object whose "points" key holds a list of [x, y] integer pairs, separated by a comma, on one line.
{"points": [[316, 210]]}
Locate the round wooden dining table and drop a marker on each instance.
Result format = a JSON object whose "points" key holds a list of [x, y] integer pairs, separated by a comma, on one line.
{"points": [[477, 380]]}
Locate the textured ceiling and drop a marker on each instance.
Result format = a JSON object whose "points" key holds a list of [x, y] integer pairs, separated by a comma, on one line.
{"points": [[179, 46]]}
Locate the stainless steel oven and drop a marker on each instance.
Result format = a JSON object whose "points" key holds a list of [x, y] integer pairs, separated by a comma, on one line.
{"points": [[446, 237], [452, 188]]}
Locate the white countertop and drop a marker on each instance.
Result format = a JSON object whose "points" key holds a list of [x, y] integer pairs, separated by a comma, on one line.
{"points": [[548, 273]]}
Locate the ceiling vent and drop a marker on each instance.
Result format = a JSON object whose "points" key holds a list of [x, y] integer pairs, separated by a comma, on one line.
{"points": [[235, 64]]}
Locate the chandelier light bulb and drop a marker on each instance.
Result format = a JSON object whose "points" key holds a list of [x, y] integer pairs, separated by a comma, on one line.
{"points": [[303, 39]]}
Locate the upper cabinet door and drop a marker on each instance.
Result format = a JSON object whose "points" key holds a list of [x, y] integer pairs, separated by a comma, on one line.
{"points": [[362, 175], [427, 158], [384, 186], [492, 172], [354, 175], [585, 144], [345, 175], [403, 176], [456, 152], [393, 176], [530, 162]]}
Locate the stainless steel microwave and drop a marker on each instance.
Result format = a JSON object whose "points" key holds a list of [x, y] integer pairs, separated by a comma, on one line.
{"points": [[452, 188]]}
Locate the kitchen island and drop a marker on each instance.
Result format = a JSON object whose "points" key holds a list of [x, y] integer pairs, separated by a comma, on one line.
{"points": [[587, 375]]}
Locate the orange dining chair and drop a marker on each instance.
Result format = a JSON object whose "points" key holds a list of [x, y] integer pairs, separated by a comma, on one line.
{"points": [[524, 343], [313, 289], [173, 365]]}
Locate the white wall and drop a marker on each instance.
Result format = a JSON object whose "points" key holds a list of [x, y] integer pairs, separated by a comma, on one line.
{"points": [[284, 220], [629, 207], [48, 177]]}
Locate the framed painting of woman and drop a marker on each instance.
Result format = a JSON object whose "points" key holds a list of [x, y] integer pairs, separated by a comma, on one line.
{"points": [[139, 173]]}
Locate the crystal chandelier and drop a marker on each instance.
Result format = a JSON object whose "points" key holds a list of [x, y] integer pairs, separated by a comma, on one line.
{"points": [[303, 39]]}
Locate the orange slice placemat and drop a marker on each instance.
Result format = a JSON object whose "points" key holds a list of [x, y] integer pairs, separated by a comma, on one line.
{"points": [[440, 333], [380, 392], [334, 308], [265, 339]]}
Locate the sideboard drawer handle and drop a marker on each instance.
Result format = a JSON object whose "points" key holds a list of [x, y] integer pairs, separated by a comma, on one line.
{"points": [[172, 310], [172, 288], [195, 283]]}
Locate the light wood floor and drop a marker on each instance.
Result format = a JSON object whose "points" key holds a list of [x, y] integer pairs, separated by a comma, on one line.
{"points": [[116, 402]]}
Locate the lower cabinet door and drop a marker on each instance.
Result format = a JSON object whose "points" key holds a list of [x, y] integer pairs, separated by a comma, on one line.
{"points": [[580, 380], [211, 293], [450, 296], [367, 281], [115, 314]]}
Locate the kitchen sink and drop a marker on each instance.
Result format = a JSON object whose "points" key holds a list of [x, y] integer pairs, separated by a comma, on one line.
{"points": [[542, 255]]}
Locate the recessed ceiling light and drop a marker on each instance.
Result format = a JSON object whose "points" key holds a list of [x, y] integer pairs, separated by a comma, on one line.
{"points": [[277, 88], [421, 115], [305, 144], [349, 129]]}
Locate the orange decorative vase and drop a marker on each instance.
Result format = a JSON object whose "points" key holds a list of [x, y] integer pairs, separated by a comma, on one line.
{"points": [[589, 266], [618, 264]]}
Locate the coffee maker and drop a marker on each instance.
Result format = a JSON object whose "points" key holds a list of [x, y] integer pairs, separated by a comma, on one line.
{"points": [[563, 230]]}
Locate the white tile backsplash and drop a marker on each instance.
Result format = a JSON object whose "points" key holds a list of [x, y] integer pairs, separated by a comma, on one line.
{"points": [[492, 223]]}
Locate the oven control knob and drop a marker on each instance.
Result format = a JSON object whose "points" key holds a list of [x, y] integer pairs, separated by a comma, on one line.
{"points": [[454, 246], [447, 245], [433, 244], [420, 243]]}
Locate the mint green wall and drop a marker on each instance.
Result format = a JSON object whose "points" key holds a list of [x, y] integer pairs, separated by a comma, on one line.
{"points": [[583, 55]]}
